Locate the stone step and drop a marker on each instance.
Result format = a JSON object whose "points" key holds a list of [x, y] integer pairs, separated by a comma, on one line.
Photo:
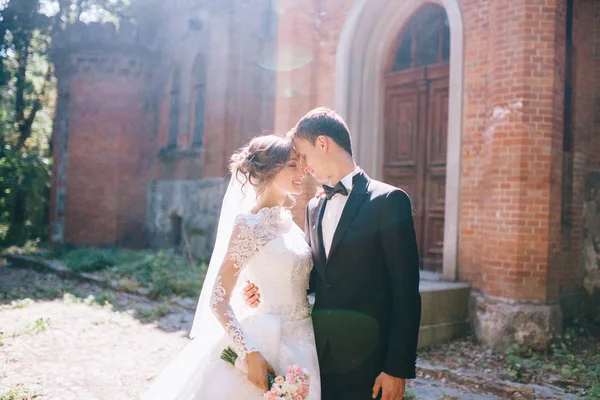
{"points": [[444, 311]]}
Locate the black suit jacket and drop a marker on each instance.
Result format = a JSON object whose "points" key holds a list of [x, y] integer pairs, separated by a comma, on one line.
{"points": [[367, 308]]}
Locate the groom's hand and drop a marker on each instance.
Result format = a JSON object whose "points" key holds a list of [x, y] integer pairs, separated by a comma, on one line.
{"points": [[251, 294], [392, 387]]}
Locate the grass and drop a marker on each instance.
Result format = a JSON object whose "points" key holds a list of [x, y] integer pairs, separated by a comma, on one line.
{"points": [[31, 247], [19, 392], [22, 303], [572, 362], [37, 326], [153, 314], [165, 273], [32, 328], [574, 356], [104, 300]]}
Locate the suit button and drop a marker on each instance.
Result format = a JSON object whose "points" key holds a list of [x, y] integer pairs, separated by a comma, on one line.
{"points": [[328, 285]]}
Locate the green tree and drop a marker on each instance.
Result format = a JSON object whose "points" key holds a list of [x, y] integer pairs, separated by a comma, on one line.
{"points": [[27, 92], [24, 48]]}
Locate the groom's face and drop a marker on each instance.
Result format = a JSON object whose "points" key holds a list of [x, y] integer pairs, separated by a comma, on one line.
{"points": [[313, 159]]}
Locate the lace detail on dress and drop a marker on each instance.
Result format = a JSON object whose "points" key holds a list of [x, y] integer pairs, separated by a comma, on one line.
{"points": [[299, 333], [255, 230], [218, 293], [251, 232], [289, 312], [235, 333]]}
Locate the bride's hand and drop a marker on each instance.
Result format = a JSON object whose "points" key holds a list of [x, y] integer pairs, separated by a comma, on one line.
{"points": [[258, 368], [320, 192], [251, 294]]}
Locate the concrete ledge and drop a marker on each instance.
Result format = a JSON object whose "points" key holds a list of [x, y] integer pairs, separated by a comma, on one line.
{"points": [[441, 333], [500, 325], [444, 311], [444, 302], [53, 266]]}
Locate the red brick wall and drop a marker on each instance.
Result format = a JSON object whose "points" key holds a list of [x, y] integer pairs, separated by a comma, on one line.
{"points": [[240, 84], [511, 171], [119, 120], [109, 151], [512, 226], [476, 146], [92, 183]]}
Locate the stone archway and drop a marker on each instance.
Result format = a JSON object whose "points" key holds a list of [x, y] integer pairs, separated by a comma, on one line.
{"points": [[370, 30]]}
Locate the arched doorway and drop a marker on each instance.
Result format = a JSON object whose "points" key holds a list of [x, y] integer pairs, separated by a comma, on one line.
{"points": [[370, 32], [416, 83]]}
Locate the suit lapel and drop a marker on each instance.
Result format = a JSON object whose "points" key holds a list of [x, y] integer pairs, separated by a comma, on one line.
{"points": [[357, 196], [321, 258]]}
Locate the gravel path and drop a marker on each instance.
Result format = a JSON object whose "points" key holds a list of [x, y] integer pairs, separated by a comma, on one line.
{"points": [[64, 344], [65, 339]]}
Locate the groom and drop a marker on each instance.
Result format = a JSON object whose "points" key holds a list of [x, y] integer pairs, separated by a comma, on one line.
{"points": [[367, 307]]}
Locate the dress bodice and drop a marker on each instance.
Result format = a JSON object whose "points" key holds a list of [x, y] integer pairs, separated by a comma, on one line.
{"points": [[268, 249], [281, 267]]}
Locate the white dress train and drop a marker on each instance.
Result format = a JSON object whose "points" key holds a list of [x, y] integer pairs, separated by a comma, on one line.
{"points": [[268, 249]]}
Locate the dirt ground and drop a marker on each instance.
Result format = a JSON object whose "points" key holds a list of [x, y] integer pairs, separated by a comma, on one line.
{"points": [[64, 344], [64, 339]]}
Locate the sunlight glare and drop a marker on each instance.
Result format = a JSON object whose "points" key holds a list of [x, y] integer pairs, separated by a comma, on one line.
{"points": [[48, 7]]}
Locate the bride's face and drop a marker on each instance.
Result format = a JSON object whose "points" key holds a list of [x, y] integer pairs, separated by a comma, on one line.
{"points": [[289, 179]]}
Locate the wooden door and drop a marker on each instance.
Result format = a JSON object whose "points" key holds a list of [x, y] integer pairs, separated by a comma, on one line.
{"points": [[435, 167], [416, 120]]}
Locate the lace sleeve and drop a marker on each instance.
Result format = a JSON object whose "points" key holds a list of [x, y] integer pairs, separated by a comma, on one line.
{"points": [[242, 246]]}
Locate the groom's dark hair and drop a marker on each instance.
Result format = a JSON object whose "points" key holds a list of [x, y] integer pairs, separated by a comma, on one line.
{"points": [[323, 121]]}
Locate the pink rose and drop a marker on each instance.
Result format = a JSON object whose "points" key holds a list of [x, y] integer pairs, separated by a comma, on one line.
{"points": [[279, 379], [269, 396]]}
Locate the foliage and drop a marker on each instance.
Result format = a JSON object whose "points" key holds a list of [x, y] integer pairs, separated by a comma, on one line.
{"points": [[594, 393], [571, 363], [27, 93], [25, 89], [19, 392], [31, 247], [33, 328], [153, 314], [26, 170], [573, 356], [165, 273], [22, 303]]}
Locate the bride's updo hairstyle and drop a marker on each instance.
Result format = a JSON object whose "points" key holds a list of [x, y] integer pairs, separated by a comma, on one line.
{"points": [[260, 160]]}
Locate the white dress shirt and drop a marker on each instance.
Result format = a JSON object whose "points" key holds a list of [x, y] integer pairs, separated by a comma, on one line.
{"points": [[333, 211]]}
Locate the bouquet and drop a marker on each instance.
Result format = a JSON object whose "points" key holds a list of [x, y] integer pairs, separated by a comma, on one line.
{"points": [[293, 386]]}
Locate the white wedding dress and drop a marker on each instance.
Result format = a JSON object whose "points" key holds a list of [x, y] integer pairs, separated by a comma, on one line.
{"points": [[268, 249]]}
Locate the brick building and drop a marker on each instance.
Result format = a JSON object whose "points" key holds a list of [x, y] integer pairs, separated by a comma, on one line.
{"points": [[486, 112]]}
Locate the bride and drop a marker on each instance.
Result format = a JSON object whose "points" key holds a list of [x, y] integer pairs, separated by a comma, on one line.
{"points": [[257, 240]]}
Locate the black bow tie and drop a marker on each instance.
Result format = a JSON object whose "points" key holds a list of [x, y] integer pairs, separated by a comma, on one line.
{"points": [[337, 189]]}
